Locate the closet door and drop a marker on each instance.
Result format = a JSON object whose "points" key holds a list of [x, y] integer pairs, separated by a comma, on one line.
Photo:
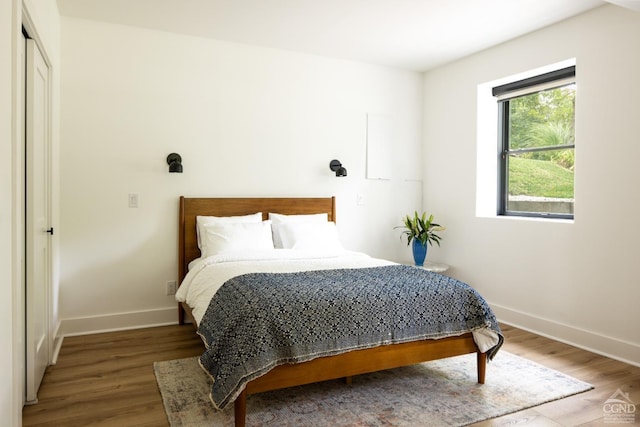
{"points": [[38, 233]]}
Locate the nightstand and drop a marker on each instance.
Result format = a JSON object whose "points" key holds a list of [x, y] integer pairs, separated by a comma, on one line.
{"points": [[436, 267]]}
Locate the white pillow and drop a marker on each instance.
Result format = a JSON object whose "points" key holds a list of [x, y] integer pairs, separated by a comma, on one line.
{"points": [[279, 219], [310, 236], [201, 221], [235, 236]]}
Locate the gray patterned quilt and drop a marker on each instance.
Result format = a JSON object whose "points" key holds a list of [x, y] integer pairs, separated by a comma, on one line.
{"points": [[260, 320]]}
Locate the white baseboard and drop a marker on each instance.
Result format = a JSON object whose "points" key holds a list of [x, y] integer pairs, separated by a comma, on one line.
{"points": [[610, 347], [119, 321], [623, 351]]}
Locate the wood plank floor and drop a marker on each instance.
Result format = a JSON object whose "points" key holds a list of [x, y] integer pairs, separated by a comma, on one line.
{"points": [[107, 380]]}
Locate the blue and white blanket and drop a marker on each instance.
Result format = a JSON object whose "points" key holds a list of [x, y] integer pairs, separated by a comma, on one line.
{"points": [[257, 321]]}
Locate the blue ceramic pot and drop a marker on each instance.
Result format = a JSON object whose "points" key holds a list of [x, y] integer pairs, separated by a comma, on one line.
{"points": [[419, 252]]}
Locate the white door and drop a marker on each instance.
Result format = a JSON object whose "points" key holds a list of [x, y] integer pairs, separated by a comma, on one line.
{"points": [[38, 263]]}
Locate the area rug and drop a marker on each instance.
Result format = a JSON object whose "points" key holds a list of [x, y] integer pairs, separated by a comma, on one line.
{"points": [[438, 393]]}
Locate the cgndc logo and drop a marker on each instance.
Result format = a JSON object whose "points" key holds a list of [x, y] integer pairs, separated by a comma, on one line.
{"points": [[619, 408]]}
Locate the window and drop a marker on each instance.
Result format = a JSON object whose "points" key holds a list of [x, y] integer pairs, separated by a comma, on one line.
{"points": [[536, 145]]}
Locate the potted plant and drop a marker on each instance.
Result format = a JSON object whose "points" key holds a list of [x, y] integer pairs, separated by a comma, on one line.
{"points": [[420, 230]]}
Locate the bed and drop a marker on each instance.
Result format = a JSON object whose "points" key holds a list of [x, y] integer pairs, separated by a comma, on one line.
{"points": [[320, 366]]}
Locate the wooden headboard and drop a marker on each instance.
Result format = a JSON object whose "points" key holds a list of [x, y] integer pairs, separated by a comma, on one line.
{"points": [[191, 207]]}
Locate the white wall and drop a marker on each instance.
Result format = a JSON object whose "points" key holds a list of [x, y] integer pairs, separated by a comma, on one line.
{"points": [[8, 363], [577, 281], [247, 121]]}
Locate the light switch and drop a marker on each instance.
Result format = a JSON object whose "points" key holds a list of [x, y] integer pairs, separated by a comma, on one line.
{"points": [[133, 200]]}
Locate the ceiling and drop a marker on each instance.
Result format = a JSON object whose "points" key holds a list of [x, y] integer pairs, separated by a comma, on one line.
{"points": [[409, 34]]}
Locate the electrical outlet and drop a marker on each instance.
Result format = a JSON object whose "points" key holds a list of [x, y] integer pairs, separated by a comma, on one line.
{"points": [[171, 287]]}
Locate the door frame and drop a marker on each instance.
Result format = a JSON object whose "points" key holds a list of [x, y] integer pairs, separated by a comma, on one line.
{"points": [[38, 206], [20, 310]]}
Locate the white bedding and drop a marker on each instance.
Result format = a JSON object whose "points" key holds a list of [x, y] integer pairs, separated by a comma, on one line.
{"points": [[207, 275]]}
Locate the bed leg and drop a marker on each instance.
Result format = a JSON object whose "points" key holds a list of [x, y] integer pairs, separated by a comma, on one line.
{"points": [[240, 409], [348, 380], [482, 366], [180, 314]]}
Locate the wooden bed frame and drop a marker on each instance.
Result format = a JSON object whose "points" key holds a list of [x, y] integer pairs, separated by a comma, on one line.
{"points": [[324, 368]]}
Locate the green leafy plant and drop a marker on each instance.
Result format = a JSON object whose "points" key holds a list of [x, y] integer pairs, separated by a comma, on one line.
{"points": [[421, 228]]}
